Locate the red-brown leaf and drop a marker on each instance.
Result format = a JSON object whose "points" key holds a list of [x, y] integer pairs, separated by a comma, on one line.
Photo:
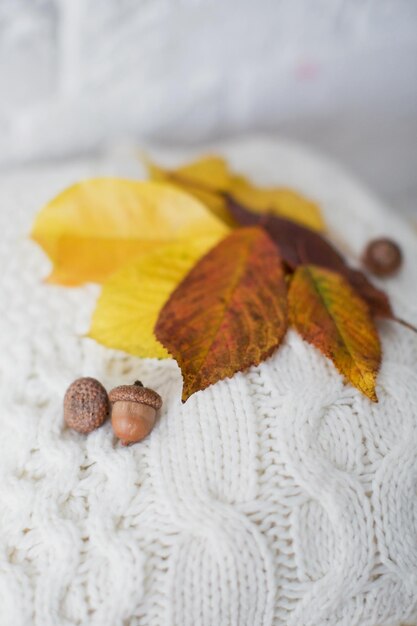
{"points": [[229, 312], [377, 300], [299, 245]]}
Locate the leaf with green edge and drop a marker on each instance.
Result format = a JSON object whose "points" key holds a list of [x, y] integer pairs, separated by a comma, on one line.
{"points": [[325, 310]]}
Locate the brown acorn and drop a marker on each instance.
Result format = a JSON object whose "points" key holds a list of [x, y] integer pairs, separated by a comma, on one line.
{"points": [[86, 405], [382, 257], [133, 412]]}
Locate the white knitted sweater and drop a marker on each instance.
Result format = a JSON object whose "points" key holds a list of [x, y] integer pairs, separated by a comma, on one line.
{"points": [[278, 497]]}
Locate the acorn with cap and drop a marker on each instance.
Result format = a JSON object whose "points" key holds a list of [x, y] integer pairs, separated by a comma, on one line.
{"points": [[133, 412]]}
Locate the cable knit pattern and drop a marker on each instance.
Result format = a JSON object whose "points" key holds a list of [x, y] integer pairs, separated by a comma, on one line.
{"points": [[278, 497]]}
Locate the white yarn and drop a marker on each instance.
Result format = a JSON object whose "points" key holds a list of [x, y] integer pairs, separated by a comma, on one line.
{"points": [[279, 497]]}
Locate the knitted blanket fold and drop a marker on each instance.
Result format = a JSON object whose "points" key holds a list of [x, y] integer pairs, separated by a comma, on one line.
{"points": [[279, 497]]}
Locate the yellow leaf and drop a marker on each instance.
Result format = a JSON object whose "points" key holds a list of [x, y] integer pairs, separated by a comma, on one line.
{"points": [[209, 178], [203, 179], [277, 200], [95, 227], [211, 172], [131, 299], [329, 314]]}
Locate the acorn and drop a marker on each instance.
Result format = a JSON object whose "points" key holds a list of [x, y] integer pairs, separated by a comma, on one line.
{"points": [[382, 257], [86, 405], [133, 411]]}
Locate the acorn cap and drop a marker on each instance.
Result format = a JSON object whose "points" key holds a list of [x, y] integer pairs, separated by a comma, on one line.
{"points": [[86, 405], [136, 393]]}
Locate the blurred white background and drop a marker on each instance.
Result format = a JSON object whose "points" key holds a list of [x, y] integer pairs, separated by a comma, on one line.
{"points": [[77, 76]]}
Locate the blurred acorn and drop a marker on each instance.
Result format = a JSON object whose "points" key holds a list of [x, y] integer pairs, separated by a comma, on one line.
{"points": [[382, 257]]}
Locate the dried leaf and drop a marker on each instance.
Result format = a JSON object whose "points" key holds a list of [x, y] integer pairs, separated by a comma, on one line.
{"points": [[95, 227], [279, 201], [206, 179], [131, 299], [228, 313], [208, 171], [299, 245], [327, 313], [211, 181], [377, 300]]}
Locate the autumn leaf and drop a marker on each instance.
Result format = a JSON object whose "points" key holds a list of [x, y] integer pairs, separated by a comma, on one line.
{"points": [[211, 181], [299, 245], [228, 313], [206, 179], [377, 301], [327, 313], [95, 227], [208, 171], [279, 201], [131, 299]]}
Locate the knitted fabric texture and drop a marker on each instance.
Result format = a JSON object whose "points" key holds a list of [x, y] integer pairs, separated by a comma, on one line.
{"points": [[279, 497]]}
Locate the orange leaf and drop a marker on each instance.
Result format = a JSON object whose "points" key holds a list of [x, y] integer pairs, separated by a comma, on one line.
{"points": [[228, 313], [327, 313]]}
